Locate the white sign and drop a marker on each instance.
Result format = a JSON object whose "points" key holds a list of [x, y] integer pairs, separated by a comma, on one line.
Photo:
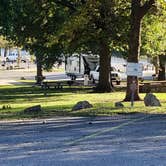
{"points": [[134, 69]]}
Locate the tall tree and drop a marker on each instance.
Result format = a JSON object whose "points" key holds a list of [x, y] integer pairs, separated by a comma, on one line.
{"points": [[96, 27], [138, 11]]}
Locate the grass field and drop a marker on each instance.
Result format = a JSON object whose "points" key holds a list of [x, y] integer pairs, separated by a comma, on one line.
{"points": [[60, 102]]}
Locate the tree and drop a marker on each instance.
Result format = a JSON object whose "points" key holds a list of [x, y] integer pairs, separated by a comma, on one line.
{"points": [[62, 27], [154, 39], [93, 26], [96, 27], [138, 11], [28, 23]]}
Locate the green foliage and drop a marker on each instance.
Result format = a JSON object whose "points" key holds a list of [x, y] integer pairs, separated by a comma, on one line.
{"points": [[91, 22], [154, 33], [3, 43], [29, 23], [52, 28]]}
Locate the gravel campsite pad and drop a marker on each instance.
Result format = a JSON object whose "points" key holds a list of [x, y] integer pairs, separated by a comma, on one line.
{"points": [[128, 140]]}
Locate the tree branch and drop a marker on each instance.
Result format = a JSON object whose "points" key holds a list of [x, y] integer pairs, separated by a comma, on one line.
{"points": [[69, 4], [145, 8], [66, 4]]}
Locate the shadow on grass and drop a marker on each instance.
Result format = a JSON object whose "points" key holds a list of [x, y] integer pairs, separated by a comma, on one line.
{"points": [[8, 94]]}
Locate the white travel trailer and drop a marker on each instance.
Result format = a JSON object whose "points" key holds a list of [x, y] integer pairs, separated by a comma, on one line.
{"points": [[78, 65]]}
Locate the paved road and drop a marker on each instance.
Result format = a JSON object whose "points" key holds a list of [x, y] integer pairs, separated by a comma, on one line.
{"points": [[13, 76], [133, 140], [28, 74]]}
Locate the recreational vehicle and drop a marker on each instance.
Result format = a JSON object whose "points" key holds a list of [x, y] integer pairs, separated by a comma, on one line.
{"points": [[79, 65]]}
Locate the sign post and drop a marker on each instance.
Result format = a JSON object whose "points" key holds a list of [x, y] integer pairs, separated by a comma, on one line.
{"points": [[133, 88]]}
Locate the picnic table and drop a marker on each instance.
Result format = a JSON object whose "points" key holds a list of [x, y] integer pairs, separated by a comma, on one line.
{"points": [[57, 84], [153, 86]]}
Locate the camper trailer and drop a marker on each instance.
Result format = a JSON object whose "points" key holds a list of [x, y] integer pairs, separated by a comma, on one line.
{"points": [[79, 65]]}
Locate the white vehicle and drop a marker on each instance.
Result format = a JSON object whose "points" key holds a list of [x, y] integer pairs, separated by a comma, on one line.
{"points": [[115, 75], [25, 56], [79, 65], [12, 56]]}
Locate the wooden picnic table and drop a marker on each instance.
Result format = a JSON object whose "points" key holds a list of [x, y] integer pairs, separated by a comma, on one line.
{"points": [[57, 84], [153, 86]]}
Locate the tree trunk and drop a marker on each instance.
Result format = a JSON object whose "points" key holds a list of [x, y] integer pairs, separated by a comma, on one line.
{"points": [[104, 84], [5, 51], [155, 62], [162, 62], [39, 77], [138, 11], [134, 51]]}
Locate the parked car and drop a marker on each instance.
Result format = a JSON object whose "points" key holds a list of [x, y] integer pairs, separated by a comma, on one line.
{"points": [[115, 75]]}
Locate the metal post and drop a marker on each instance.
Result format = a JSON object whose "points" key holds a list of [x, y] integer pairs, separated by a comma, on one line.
{"points": [[132, 98], [133, 88]]}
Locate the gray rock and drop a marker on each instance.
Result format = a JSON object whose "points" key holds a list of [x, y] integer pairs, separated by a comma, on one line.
{"points": [[151, 100], [33, 109], [82, 105], [22, 78], [119, 105]]}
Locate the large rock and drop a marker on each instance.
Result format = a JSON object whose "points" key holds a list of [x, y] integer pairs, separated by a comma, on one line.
{"points": [[151, 100], [33, 109], [82, 105]]}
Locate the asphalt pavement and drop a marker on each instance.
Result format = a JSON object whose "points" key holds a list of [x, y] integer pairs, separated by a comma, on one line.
{"points": [[124, 140], [28, 71], [8, 77]]}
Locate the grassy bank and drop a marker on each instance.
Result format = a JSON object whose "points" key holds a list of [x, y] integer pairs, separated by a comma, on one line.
{"points": [[60, 102]]}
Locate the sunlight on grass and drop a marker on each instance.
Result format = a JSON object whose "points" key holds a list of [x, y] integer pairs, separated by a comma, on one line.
{"points": [[60, 103]]}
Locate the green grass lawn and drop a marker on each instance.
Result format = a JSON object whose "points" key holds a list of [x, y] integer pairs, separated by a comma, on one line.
{"points": [[60, 102]]}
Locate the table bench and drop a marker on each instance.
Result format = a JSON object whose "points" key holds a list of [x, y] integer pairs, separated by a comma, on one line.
{"points": [[55, 84], [153, 86]]}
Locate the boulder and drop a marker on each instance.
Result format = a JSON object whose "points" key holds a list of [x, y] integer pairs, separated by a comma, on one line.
{"points": [[33, 109], [22, 78], [151, 100], [82, 105], [119, 105]]}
